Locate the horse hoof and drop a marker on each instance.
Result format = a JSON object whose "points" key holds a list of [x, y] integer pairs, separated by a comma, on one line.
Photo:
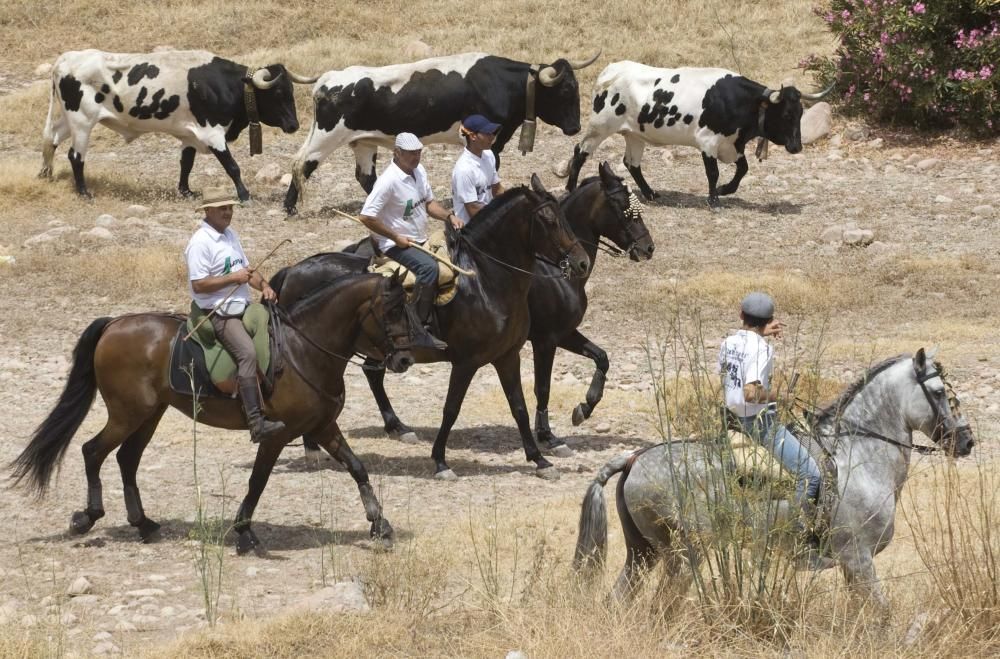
{"points": [[563, 451], [383, 533], [80, 522], [446, 475], [409, 437], [149, 531], [248, 542], [547, 473], [578, 415]]}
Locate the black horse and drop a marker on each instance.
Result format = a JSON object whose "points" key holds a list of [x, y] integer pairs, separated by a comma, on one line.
{"points": [[127, 360], [488, 321], [600, 207]]}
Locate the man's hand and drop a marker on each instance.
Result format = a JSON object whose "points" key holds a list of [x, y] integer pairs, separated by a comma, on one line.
{"points": [[241, 276], [268, 294], [774, 328], [402, 242], [456, 221]]}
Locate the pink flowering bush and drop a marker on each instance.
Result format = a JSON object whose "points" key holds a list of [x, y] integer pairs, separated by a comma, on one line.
{"points": [[929, 63]]}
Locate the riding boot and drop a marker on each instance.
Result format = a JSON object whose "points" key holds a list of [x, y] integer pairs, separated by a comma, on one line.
{"points": [[261, 429], [419, 311], [808, 524]]}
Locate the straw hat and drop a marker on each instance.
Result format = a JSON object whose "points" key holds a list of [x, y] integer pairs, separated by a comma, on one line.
{"points": [[216, 197]]}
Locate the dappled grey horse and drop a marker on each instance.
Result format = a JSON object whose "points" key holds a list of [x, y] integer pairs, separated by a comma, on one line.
{"points": [[666, 492]]}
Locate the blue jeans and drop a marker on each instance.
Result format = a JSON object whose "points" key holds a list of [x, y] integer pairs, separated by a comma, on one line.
{"points": [[423, 266], [785, 446]]}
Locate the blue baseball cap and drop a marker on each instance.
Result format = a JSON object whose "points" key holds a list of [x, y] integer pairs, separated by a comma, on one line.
{"points": [[477, 123]]}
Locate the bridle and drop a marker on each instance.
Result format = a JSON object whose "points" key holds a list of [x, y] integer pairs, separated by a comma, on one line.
{"points": [[563, 264], [387, 345], [631, 212]]}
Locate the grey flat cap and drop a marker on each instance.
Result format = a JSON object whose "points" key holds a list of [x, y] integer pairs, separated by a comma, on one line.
{"points": [[759, 305]]}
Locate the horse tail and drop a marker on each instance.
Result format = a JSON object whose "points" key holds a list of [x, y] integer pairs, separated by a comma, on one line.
{"points": [[51, 439], [592, 540]]}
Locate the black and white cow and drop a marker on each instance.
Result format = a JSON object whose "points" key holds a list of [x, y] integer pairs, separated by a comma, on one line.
{"points": [[366, 107], [193, 95], [715, 110]]}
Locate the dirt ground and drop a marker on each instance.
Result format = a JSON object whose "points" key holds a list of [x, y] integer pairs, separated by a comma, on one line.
{"points": [[930, 279]]}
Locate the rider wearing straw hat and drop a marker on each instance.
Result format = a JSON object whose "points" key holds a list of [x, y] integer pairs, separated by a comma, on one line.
{"points": [[745, 361], [396, 213], [220, 278]]}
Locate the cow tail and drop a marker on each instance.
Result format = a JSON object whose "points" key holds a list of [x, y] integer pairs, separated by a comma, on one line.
{"points": [[51, 439], [592, 539], [48, 133]]}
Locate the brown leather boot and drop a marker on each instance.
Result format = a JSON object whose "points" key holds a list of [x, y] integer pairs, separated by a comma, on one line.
{"points": [[261, 428], [419, 311]]}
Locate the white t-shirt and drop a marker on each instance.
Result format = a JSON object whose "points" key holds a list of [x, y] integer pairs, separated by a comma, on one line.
{"points": [[210, 254], [745, 357], [399, 201], [472, 180]]}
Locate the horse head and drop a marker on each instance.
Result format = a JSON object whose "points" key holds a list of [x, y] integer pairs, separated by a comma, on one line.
{"points": [[626, 230], [941, 418], [556, 240], [386, 325]]}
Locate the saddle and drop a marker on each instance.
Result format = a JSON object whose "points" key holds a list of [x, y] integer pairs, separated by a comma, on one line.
{"points": [[214, 371], [446, 284]]}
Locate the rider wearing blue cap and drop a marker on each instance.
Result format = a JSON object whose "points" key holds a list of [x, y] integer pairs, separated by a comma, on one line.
{"points": [[474, 180]]}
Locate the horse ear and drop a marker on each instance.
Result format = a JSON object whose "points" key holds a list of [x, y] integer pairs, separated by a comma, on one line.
{"points": [[536, 185], [608, 177], [394, 279], [920, 362]]}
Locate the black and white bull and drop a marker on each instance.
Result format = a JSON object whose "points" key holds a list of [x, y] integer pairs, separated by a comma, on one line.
{"points": [[193, 95], [366, 107], [714, 110]]}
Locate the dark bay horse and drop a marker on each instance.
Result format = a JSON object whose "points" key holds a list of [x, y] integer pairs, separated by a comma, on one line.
{"points": [[600, 207], [487, 322], [127, 358]]}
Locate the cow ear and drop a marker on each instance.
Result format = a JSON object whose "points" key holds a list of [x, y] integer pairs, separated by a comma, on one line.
{"points": [[536, 185], [920, 362]]}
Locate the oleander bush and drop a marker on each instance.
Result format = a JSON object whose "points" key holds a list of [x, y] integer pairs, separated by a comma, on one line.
{"points": [[927, 63]]}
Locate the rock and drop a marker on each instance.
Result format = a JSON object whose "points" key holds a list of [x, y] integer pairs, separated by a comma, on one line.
{"points": [[28, 621], [144, 592], [912, 159], [516, 654], [832, 234], [269, 173], [125, 626], [137, 210], [68, 619], [105, 220], [117, 610], [99, 233], [816, 122], [341, 597], [417, 49], [561, 168], [252, 572], [43, 69], [105, 647], [859, 237], [856, 133], [890, 170], [927, 164], [602, 428], [876, 143], [834, 155], [985, 210], [102, 636], [81, 586], [286, 180], [941, 199], [84, 602], [836, 141]]}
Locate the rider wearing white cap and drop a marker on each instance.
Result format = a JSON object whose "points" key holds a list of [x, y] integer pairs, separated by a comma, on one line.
{"points": [[745, 361], [396, 213]]}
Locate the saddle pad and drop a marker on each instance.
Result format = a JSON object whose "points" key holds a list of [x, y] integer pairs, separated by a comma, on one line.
{"points": [[215, 368], [385, 266], [755, 464]]}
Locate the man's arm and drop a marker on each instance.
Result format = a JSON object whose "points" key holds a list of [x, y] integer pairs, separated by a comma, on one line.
{"points": [[212, 284], [257, 281], [439, 212], [373, 225]]}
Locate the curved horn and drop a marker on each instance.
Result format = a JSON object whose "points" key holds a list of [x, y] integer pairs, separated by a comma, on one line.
{"points": [[819, 95], [771, 95], [549, 77], [301, 79], [585, 63], [261, 81]]}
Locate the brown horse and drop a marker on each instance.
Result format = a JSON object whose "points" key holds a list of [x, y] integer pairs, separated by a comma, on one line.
{"points": [[127, 360]]}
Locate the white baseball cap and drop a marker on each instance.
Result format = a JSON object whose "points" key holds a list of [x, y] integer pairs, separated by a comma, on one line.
{"points": [[408, 142]]}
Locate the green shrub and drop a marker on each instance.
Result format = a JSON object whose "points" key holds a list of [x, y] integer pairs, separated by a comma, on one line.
{"points": [[929, 63]]}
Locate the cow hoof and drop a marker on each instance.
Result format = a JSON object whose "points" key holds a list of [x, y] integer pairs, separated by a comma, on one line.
{"points": [[291, 212], [549, 473], [446, 475], [80, 522], [149, 531]]}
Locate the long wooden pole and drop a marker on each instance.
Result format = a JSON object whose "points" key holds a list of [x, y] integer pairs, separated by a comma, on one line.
{"points": [[421, 248], [235, 288]]}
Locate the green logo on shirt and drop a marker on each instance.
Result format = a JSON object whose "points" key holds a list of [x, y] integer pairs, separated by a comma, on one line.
{"points": [[408, 211], [228, 267]]}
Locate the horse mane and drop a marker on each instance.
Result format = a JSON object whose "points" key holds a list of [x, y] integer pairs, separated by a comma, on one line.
{"points": [[834, 409], [304, 303], [498, 207]]}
